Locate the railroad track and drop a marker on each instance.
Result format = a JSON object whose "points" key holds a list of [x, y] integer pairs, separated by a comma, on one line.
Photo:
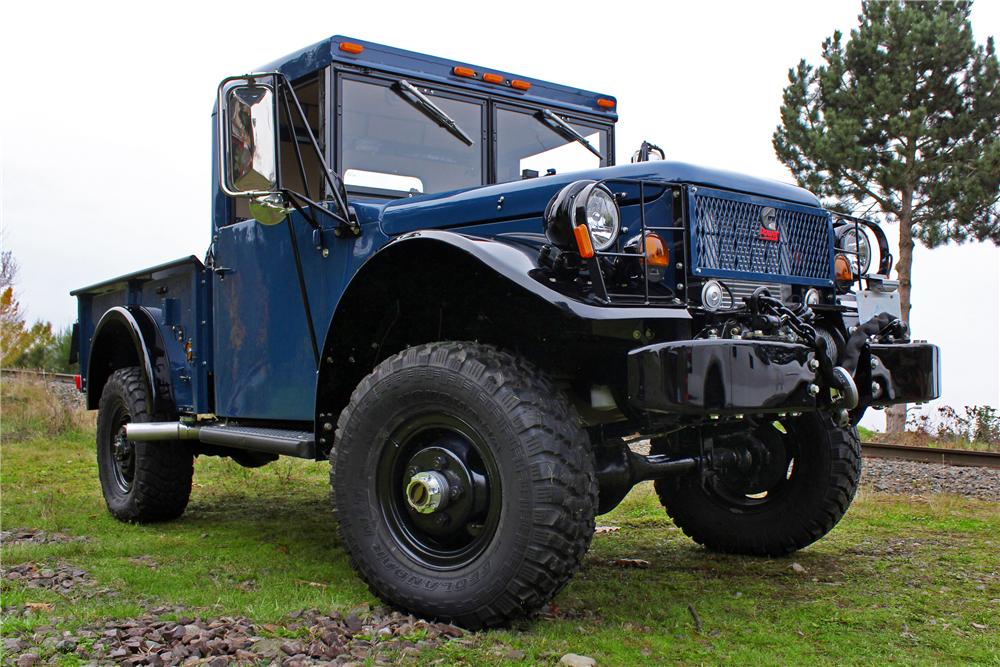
{"points": [[952, 457], [876, 450], [65, 378]]}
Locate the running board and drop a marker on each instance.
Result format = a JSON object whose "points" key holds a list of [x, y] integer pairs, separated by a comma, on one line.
{"points": [[300, 444]]}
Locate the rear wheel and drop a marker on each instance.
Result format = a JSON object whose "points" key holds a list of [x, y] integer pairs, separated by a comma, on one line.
{"points": [[805, 474], [141, 481], [463, 484]]}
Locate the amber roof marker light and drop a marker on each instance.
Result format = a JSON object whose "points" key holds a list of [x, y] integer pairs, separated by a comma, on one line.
{"points": [[351, 47], [466, 72], [606, 103]]}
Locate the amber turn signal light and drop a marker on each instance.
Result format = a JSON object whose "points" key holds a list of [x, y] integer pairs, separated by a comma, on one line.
{"points": [[656, 251], [351, 47], [842, 269], [583, 242]]}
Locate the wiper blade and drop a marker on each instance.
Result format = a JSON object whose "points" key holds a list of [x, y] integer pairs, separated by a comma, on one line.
{"points": [[431, 110], [566, 130]]}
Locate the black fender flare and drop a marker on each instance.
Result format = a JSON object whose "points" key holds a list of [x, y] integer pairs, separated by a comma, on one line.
{"points": [[508, 259], [128, 335]]}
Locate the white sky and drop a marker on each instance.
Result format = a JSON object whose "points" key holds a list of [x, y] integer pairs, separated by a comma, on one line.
{"points": [[104, 132]]}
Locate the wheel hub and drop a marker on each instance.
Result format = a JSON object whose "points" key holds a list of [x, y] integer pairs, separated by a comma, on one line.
{"points": [[427, 492], [122, 447]]}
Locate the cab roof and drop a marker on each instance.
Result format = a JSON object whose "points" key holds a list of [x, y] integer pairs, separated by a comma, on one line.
{"points": [[359, 53]]}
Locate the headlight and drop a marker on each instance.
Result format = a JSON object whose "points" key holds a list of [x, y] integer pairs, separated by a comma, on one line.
{"points": [[583, 203], [601, 216], [854, 240], [712, 295]]}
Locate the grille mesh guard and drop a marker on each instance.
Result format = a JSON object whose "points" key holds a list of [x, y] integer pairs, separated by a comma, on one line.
{"points": [[726, 239]]}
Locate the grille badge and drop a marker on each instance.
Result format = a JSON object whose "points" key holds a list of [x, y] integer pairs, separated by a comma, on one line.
{"points": [[769, 223]]}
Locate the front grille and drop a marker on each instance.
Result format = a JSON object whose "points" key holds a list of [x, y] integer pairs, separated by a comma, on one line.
{"points": [[727, 240], [741, 289]]}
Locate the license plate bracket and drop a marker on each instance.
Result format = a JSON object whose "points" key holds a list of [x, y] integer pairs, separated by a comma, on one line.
{"points": [[872, 303]]}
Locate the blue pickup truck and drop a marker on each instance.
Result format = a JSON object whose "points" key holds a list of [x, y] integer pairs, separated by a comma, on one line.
{"points": [[435, 276]]}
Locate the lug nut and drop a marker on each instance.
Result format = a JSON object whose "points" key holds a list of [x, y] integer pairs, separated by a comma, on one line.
{"points": [[813, 390], [440, 463], [814, 365], [875, 363], [876, 389]]}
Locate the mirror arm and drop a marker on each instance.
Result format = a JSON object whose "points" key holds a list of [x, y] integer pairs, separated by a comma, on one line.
{"points": [[295, 141], [304, 201], [347, 220]]}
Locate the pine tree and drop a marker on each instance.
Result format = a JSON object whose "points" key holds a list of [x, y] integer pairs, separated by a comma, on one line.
{"points": [[904, 117]]}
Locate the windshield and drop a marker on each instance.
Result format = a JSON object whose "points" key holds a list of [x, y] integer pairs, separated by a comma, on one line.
{"points": [[528, 145], [394, 142]]}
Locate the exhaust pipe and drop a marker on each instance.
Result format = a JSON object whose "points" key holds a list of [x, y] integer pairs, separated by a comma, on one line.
{"points": [[150, 431], [272, 441]]}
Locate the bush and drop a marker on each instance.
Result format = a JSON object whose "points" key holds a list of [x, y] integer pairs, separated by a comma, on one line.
{"points": [[973, 425], [31, 409]]}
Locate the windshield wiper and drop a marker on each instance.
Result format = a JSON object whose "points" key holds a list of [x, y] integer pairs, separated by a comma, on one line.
{"points": [[431, 110], [563, 128]]}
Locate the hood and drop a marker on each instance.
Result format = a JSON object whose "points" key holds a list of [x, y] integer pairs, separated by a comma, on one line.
{"points": [[527, 198]]}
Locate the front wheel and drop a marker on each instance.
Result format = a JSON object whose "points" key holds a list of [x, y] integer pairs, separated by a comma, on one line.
{"points": [[463, 484], [807, 474]]}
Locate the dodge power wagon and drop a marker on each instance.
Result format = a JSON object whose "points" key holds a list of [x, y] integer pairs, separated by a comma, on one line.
{"points": [[434, 276]]}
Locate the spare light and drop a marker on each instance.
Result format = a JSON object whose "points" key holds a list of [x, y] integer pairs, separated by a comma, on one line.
{"points": [[656, 251], [842, 269], [712, 295]]}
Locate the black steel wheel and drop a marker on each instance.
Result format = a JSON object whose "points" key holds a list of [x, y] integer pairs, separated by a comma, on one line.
{"points": [[142, 482], [803, 477], [463, 484]]}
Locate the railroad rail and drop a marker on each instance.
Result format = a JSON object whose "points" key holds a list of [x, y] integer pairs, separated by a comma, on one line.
{"points": [[66, 378], [952, 457]]}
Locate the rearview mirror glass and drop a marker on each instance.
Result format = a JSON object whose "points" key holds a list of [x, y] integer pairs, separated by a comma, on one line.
{"points": [[251, 143]]}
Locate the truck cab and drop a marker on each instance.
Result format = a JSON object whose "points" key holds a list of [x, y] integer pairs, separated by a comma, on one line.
{"points": [[434, 276]]}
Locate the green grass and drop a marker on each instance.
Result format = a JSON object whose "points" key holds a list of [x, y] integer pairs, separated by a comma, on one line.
{"points": [[897, 581]]}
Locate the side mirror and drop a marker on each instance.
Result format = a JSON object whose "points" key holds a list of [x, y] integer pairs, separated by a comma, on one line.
{"points": [[248, 145]]}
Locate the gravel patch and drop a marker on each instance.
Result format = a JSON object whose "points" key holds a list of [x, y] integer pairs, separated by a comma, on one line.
{"points": [[912, 478], [68, 394], [63, 579], [310, 637]]}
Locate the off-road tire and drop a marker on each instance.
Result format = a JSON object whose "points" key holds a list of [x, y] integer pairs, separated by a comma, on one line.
{"points": [[826, 478], [160, 483], [544, 465]]}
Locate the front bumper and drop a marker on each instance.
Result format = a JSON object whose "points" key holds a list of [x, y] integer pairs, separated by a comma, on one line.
{"points": [[725, 377]]}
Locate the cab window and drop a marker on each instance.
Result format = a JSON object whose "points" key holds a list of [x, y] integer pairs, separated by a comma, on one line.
{"points": [[392, 145], [530, 144]]}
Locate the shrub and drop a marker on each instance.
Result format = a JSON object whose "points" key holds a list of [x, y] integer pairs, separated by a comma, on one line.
{"points": [[31, 409]]}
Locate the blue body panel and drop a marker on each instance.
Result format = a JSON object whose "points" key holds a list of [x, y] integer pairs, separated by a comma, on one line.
{"points": [[251, 349]]}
